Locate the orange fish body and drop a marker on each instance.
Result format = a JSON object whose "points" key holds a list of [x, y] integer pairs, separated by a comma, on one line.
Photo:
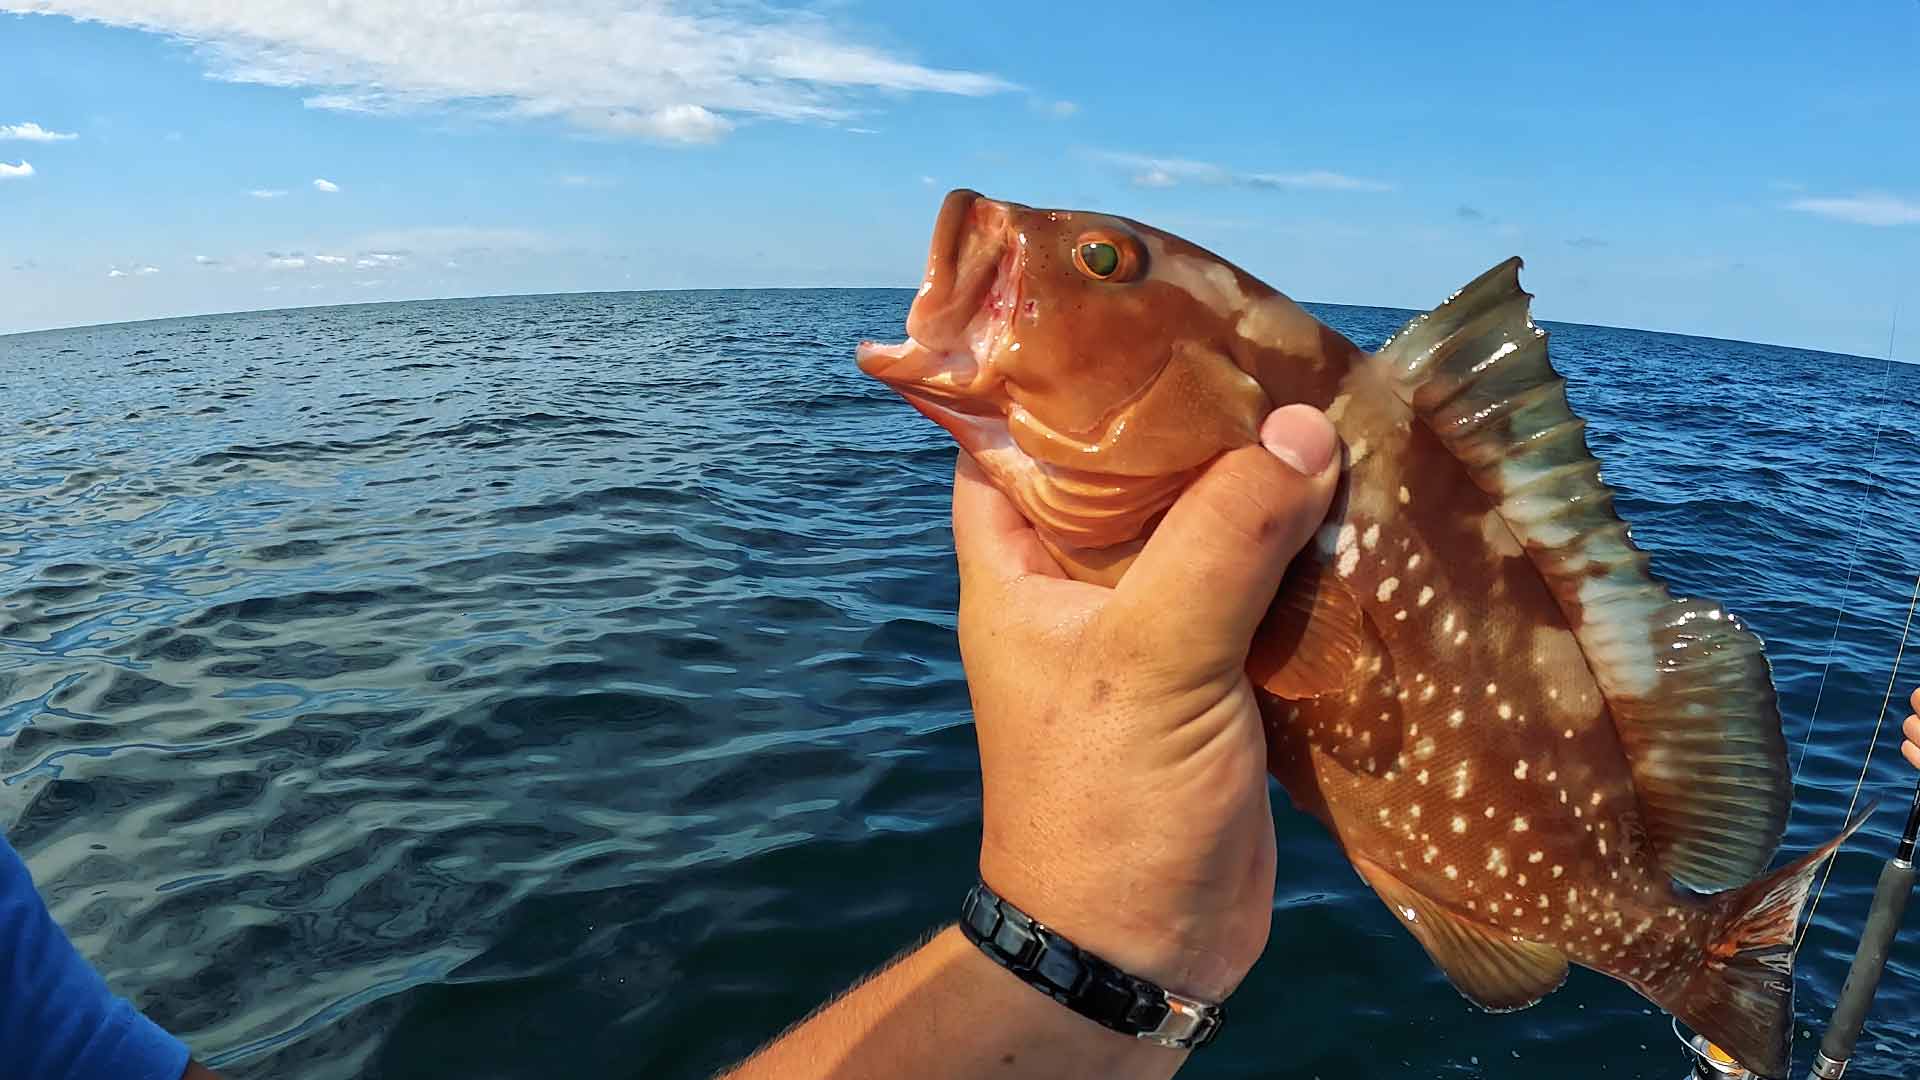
{"points": [[1519, 738]]}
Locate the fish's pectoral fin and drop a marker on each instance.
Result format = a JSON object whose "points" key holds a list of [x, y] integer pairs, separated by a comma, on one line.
{"points": [[1323, 673], [1687, 686], [1314, 639], [1490, 967]]}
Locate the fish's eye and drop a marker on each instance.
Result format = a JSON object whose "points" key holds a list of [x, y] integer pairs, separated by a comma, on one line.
{"points": [[1100, 258], [1105, 256]]}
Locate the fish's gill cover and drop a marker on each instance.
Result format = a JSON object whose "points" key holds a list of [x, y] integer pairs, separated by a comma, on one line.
{"points": [[1688, 686]]}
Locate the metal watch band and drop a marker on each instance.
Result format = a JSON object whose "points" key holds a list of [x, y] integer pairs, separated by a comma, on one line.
{"points": [[1082, 981]]}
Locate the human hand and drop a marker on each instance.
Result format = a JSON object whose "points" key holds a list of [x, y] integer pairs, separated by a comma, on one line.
{"points": [[1910, 746], [1121, 750]]}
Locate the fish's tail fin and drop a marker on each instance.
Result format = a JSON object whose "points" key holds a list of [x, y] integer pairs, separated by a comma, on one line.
{"points": [[1741, 998]]}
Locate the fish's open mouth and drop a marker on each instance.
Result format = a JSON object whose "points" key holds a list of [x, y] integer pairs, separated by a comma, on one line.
{"points": [[961, 317]]}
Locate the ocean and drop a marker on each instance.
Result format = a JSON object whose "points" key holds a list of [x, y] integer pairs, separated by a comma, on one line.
{"points": [[566, 685]]}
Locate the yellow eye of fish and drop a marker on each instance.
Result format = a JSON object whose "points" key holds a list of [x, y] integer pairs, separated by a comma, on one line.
{"points": [[1099, 259]]}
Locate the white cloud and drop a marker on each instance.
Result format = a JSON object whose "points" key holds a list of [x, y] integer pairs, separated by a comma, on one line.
{"points": [[675, 123], [1872, 208], [584, 180], [115, 271], [286, 262], [373, 259], [1061, 109], [673, 70], [16, 172], [1156, 172], [32, 132], [267, 193], [928, 180], [327, 186], [206, 260], [453, 239], [137, 270], [331, 260]]}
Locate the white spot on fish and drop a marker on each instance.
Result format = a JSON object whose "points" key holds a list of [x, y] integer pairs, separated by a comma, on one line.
{"points": [[1505, 711], [1603, 847], [1400, 616], [1456, 718], [1536, 856], [1459, 824], [1426, 591], [1519, 824], [1349, 562], [1595, 800], [1405, 495], [1413, 561], [1412, 915], [1446, 624], [1520, 770], [1430, 854], [1421, 776], [1371, 538], [1452, 872], [1460, 638], [1386, 589], [1357, 451], [1423, 749]]}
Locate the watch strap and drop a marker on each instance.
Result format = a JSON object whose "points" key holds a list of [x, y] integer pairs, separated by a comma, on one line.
{"points": [[1081, 981]]}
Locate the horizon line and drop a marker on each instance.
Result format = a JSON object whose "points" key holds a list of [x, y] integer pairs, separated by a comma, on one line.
{"points": [[8, 334]]}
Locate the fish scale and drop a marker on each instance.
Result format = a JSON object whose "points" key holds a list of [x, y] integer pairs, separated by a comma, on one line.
{"points": [[1531, 751]]}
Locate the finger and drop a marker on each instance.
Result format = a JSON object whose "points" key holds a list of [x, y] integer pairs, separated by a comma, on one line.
{"points": [[1914, 701], [991, 540], [1911, 747], [1911, 752], [1209, 573]]}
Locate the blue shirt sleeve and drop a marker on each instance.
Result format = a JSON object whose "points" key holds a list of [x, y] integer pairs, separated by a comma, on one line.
{"points": [[58, 1020]]}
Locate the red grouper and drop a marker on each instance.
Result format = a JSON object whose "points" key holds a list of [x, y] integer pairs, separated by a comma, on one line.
{"points": [[1524, 743]]}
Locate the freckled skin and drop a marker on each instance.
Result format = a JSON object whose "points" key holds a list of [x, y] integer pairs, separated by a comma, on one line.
{"points": [[1092, 402]]}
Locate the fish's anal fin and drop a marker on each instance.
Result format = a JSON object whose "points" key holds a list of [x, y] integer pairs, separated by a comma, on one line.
{"points": [[1488, 966], [1314, 639], [1687, 685]]}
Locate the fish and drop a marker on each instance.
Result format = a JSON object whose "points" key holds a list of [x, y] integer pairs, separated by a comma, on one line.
{"points": [[1531, 750]]}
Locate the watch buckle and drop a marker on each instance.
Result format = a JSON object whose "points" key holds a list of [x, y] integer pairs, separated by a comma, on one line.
{"points": [[1185, 1018]]}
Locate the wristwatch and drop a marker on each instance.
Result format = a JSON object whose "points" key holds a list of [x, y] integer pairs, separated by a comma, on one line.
{"points": [[1081, 981]]}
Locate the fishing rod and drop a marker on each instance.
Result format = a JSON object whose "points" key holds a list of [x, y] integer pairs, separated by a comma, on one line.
{"points": [[1890, 896]]}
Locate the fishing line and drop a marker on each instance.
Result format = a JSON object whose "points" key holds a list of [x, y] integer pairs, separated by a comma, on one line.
{"points": [[1853, 554], [1892, 679]]}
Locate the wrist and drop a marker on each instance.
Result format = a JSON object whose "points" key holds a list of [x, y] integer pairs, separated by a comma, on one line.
{"points": [[1146, 930]]}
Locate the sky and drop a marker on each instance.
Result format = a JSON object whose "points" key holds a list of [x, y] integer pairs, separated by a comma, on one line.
{"points": [[1744, 170]]}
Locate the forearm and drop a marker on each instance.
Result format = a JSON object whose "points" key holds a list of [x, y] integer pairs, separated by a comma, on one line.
{"points": [[947, 1012]]}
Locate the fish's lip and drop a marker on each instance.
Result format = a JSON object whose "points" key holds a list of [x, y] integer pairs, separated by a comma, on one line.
{"points": [[943, 376], [967, 267]]}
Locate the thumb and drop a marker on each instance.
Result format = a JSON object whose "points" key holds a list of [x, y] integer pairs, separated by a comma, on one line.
{"points": [[1206, 577]]}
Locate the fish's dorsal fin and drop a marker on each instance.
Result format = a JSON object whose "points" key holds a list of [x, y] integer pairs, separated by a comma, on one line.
{"points": [[1688, 686], [1493, 969]]}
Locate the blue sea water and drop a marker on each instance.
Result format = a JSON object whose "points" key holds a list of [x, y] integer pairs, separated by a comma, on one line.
{"points": [[566, 686]]}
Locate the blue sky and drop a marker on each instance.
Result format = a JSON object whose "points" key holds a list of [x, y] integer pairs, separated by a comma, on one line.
{"points": [[1745, 170]]}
